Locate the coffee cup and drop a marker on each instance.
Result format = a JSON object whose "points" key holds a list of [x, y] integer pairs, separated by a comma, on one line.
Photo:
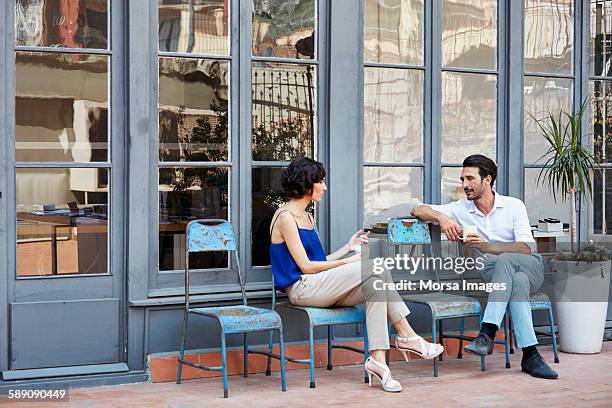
{"points": [[468, 229]]}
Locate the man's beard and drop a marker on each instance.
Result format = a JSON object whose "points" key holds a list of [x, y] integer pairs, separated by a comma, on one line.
{"points": [[474, 195]]}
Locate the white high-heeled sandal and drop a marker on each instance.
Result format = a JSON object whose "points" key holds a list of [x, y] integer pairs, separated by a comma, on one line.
{"points": [[427, 350], [387, 382]]}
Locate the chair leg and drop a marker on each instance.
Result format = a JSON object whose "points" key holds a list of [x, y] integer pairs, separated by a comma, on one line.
{"points": [[433, 340], [441, 337], [330, 337], [507, 354], [245, 363], [182, 350], [461, 331], [224, 366], [388, 352], [282, 359], [510, 335], [270, 347], [482, 358], [366, 352], [552, 333], [312, 358]]}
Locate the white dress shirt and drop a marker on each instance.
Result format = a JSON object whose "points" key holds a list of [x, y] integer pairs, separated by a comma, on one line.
{"points": [[507, 221]]}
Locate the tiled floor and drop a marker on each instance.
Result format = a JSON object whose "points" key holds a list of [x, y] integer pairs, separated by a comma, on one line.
{"points": [[585, 381]]}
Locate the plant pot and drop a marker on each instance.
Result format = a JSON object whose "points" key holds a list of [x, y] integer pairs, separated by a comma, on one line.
{"points": [[581, 293]]}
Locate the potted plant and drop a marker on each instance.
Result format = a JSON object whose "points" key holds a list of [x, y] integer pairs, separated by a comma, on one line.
{"points": [[582, 275]]}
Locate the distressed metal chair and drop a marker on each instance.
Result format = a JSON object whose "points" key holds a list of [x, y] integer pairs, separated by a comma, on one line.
{"points": [[329, 317], [538, 301], [414, 233], [218, 235]]}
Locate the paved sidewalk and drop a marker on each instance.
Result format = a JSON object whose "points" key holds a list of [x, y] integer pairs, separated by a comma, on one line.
{"points": [[585, 381]]}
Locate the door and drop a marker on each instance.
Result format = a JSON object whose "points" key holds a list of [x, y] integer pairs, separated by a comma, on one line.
{"points": [[64, 187]]}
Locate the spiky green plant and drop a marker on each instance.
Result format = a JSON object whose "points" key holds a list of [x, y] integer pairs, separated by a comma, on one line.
{"points": [[568, 163]]}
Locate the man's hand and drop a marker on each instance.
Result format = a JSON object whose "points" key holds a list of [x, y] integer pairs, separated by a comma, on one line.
{"points": [[475, 241], [450, 228]]}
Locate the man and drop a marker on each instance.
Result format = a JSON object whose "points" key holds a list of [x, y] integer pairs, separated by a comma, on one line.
{"points": [[504, 238]]}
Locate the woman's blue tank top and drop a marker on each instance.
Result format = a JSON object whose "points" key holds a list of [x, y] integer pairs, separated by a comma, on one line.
{"points": [[286, 272]]}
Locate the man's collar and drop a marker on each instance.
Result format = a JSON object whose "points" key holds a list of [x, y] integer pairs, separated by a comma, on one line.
{"points": [[498, 201]]}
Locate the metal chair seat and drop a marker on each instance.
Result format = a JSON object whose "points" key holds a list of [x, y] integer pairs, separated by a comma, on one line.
{"points": [[539, 300], [241, 319], [446, 305], [332, 315]]}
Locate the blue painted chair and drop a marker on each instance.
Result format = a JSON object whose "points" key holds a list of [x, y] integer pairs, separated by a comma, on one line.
{"points": [[329, 317], [538, 301], [413, 232], [217, 235]]}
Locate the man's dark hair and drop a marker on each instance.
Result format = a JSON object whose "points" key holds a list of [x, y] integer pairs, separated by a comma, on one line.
{"points": [[486, 166], [299, 177]]}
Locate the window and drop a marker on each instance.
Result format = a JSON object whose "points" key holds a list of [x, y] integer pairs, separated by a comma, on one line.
{"points": [[62, 137]]}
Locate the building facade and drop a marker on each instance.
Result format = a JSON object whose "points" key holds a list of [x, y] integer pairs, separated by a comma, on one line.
{"points": [[122, 120]]}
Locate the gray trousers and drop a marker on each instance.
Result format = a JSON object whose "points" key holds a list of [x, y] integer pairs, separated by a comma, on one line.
{"points": [[522, 275], [350, 285]]}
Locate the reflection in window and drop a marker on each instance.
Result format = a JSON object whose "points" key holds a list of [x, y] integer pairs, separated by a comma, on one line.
{"points": [[469, 116], [61, 107], [549, 36], [268, 196], [69, 24], [543, 96], [469, 34], [452, 189], [601, 36], [537, 194], [602, 199], [194, 26], [283, 116], [193, 110], [186, 194], [393, 31], [601, 120], [390, 192], [62, 221], [284, 28], [393, 115]]}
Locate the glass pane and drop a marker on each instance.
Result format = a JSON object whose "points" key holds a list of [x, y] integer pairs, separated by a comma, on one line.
{"points": [[601, 120], [451, 185], [469, 33], [393, 31], [194, 26], [390, 192], [61, 107], [62, 221], [543, 95], [540, 202], [267, 197], [601, 36], [602, 202], [284, 28], [393, 115], [469, 116], [549, 36], [186, 194], [193, 110], [69, 24], [284, 111]]}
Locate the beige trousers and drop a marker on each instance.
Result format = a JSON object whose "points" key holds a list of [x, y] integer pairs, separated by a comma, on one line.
{"points": [[350, 285]]}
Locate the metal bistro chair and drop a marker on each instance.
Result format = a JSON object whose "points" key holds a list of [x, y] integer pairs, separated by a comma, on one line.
{"points": [[327, 317], [537, 301], [217, 235], [412, 231]]}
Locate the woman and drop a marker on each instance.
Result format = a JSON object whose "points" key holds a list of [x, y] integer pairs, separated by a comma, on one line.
{"points": [[310, 278]]}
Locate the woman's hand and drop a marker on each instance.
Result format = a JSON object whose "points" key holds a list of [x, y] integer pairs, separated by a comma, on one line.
{"points": [[359, 238]]}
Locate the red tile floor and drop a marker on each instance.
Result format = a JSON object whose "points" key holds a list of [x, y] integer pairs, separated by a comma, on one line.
{"points": [[585, 381]]}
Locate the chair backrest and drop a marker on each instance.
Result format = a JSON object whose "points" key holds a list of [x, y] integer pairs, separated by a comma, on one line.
{"points": [[211, 235]]}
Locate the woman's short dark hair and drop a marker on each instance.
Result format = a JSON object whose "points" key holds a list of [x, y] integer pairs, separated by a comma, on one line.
{"points": [[486, 166], [297, 179]]}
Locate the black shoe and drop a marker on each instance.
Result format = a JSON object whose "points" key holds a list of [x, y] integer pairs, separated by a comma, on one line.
{"points": [[481, 346], [537, 367]]}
